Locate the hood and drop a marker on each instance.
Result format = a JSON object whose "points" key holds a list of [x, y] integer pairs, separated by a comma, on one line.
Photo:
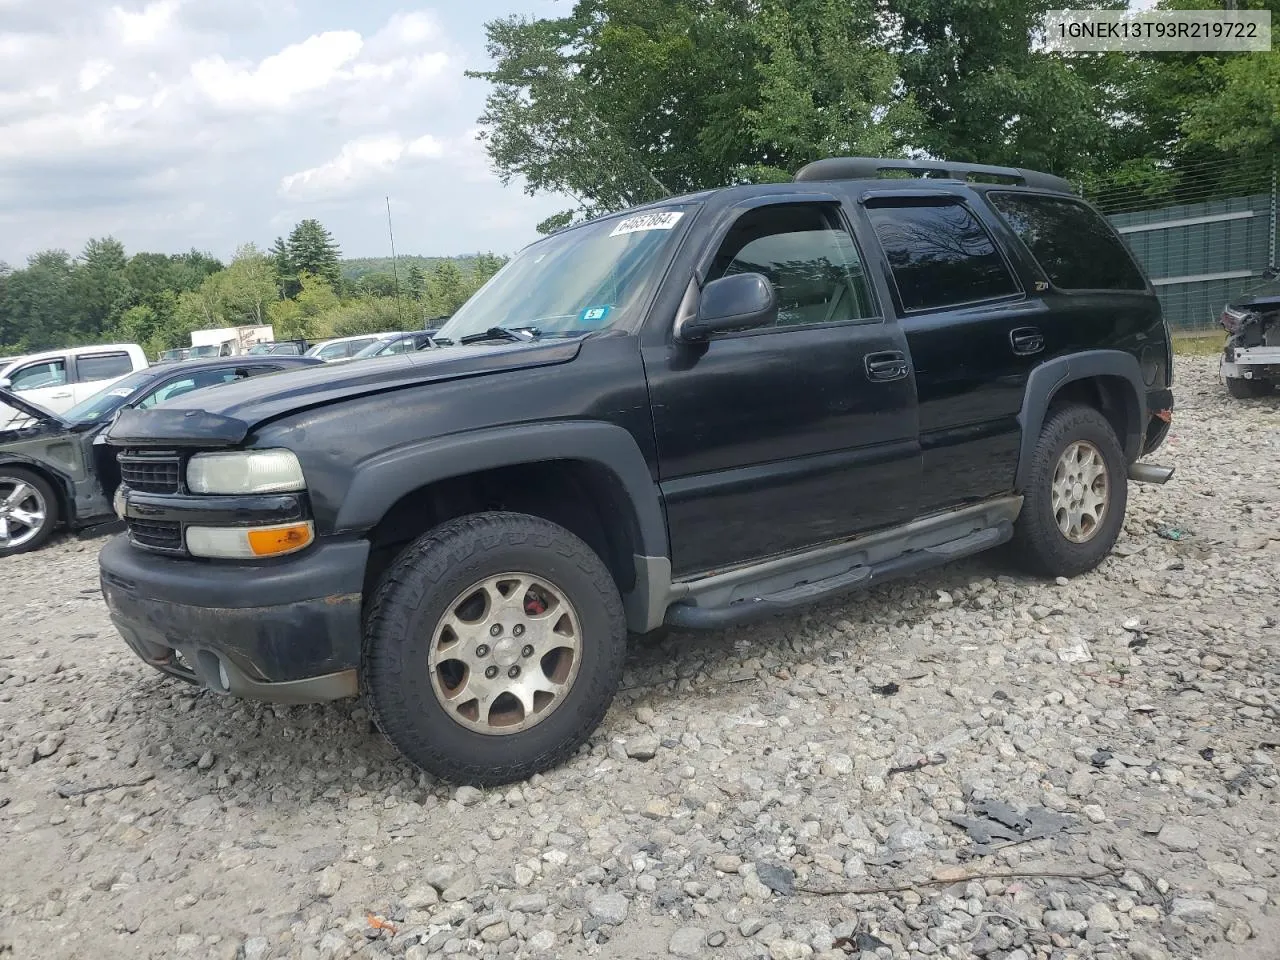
{"points": [[36, 412], [225, 414], [1269, 301]]}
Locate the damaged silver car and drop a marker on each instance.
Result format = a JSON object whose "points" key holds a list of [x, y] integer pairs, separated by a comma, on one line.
{"points": [[1251, 356], [55, 469]]}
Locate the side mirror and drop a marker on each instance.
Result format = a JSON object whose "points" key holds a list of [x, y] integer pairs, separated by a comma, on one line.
{"points": [[5, 383], [742, 301]]}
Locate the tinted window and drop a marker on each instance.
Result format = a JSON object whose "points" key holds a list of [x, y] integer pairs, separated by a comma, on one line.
{"points": [[102, 366], [331, 351], [1074, 246], [940, 255], [808, 257], [47, 373], [176, 388]]}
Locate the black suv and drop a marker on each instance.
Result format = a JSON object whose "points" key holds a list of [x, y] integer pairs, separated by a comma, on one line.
{"points": [[699, 412]]}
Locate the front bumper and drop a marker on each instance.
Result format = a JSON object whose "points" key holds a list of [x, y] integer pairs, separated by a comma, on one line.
{"points": [[285, 631]]}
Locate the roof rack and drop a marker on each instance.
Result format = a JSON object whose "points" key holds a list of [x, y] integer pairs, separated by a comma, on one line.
{"points": [[872, 168]]}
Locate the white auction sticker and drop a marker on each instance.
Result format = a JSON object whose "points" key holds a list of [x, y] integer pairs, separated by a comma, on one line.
{"points": [[648, 221]]}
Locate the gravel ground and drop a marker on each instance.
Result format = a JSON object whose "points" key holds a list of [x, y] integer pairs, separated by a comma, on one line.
{"points": [[967, 764]]}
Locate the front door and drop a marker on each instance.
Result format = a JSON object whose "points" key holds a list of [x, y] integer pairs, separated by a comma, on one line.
{"points": [[775, 439]]}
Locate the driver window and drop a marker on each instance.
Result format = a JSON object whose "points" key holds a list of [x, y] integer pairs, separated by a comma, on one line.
{"points": [[49, 373], [175, 388], [809, 257]]}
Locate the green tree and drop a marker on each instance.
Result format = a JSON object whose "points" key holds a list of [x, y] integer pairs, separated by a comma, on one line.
{"points": [[282, 264], [309, 314], [100, 289], [312, 249], [248, 287], [39, 304], [416, 283], [447, 289]]}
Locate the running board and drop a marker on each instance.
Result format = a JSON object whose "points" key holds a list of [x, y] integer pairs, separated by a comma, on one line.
{"points": [[712, 604]]}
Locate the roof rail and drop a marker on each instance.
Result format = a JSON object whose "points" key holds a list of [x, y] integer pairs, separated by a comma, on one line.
{"points": [[872, 168]]}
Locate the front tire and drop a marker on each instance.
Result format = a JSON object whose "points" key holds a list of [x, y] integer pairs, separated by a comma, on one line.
{"points": [[28, 510], [1076, 495], [494, 646], [1243, 389]]}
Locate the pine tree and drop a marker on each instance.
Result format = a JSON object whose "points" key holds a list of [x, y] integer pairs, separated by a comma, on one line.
{"points": [[286, 273], [312, 249]]}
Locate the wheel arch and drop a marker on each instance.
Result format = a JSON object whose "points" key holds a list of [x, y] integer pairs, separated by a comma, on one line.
{"points": [[589, 477], [1108, 380], [62, 485]]}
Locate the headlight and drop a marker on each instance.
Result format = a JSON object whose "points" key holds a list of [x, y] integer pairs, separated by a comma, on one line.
{"points": [[249, 543], [245, 471]]}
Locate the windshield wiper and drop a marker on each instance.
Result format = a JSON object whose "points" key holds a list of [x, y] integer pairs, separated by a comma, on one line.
{"points": [[516, 334]]}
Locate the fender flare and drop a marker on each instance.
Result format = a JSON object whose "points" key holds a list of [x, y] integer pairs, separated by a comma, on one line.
{"points": [[1044, 382], [63, 484], [382, 480]]}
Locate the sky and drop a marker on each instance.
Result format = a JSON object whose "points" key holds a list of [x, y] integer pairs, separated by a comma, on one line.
{"points": [[173, 124]]}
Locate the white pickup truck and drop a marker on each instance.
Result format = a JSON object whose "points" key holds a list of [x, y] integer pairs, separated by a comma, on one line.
{"points": [[59, 379]]}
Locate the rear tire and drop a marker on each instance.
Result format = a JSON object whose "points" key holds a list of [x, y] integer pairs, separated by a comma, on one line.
{"points": [[494, 646], [1076, 495], [1243, 389], [28, 510]]}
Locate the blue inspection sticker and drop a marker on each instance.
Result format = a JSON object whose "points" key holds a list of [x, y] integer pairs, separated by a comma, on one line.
{"points": [[594, 314]]}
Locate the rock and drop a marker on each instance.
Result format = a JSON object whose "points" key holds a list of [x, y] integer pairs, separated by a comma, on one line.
{"points": [[256, 948], [421, 897], [687, 942], [542, 942], [778, 879], [1189, 908], [716, 938], [468, 795], [1080, 784], [643, 748], [750, 926], [837, 765], [608, 908], [657, 809], [440, 875], [789, 950], [496, 933], [1230, 872], [644, 715], [530, 903], [330, 882], [1178, 838], [1239, 931], [1065, 921], [49, 745], [1102, 919], [198, 811], [727, 863], [205, 761], [462, 887]]}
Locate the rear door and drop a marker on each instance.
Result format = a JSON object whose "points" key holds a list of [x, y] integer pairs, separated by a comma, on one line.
{"points": [[94, 371], [974, 336], [785, 437]]}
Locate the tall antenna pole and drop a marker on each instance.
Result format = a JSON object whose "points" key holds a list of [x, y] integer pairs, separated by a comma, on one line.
{"points": [[395, 273]]}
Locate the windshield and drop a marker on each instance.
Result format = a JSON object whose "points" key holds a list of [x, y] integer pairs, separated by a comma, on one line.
{"points": [[584, 279], [210, 350], [379, 347], [107, 400]]}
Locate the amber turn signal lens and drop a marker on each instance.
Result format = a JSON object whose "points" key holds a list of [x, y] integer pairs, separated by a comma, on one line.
{"points": [[268, 543]]}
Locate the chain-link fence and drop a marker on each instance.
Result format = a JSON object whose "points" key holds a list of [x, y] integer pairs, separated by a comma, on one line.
{"points": [[1204, 234]]}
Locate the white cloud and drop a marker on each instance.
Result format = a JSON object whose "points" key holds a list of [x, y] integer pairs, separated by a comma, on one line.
{"points": [[357, 163], [93, 73], [281, 78], [147, 26]]}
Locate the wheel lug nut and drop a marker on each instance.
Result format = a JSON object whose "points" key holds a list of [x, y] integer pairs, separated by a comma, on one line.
{"points": [[513, 672], [495, 630], [518, 630], [482, 650], [491, 672], [527, 651]]}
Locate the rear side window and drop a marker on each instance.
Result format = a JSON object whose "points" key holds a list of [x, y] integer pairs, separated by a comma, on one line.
{"points": [[1074, 246], [102, 366], [46, 373], [941, 256]]}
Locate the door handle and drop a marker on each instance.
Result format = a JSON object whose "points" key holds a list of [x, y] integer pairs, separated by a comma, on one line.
{"points": [[1026, 341], [59, 396], [889, 365]]}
